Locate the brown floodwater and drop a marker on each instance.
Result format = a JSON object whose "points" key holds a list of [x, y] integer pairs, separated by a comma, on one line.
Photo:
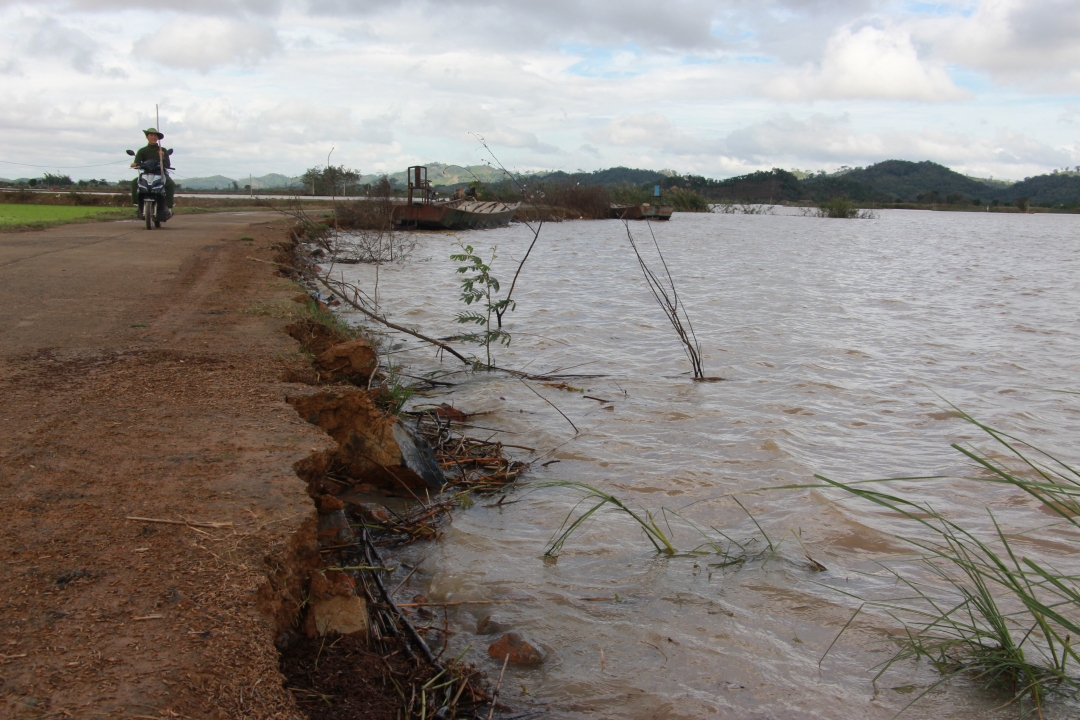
{"points": [[835, 339]]}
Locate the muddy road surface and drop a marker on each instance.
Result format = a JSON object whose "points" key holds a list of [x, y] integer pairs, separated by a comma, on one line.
{"points": [[140, 377]]}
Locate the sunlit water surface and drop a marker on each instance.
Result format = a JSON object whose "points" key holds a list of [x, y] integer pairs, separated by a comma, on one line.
{"points": [[835, 339]]}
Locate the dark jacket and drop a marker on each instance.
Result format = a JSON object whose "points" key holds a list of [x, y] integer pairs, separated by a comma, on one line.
{"points": [[150, 152]]}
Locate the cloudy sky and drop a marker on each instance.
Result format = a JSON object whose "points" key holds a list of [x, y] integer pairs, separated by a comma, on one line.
{"points": [[711, 87]]}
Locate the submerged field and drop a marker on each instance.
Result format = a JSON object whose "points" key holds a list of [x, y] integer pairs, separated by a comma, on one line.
{"points": [[840, 342], [15, 215]]}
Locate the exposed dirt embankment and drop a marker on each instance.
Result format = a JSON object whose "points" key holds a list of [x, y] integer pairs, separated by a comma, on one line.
{"points": [[141, 377]]}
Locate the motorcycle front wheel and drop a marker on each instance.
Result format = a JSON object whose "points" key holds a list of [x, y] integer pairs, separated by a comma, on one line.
{"points": [[148, 213]]}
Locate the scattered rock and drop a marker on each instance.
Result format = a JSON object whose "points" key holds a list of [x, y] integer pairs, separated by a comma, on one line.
{"points": [[490, 625], [372, 513], [521, 650], [449, 412], [285, 640], [339, 614], [421, 599], [417, 456], [374, 447], [328, 504], [354, 361], [334, 529], [342, 579]]}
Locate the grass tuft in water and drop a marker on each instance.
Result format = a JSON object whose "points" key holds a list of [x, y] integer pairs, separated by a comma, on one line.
{"points": [[657, 528], [601, 499], [999, 617]]}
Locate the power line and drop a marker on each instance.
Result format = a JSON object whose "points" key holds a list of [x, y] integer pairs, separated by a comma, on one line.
{"points": [[64, 167]]}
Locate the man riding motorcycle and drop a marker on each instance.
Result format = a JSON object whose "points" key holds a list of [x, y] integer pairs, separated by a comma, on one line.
{"points": [[153, 151]]}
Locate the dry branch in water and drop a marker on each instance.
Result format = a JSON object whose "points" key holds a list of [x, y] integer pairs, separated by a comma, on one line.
{"points": [[668, 300]]}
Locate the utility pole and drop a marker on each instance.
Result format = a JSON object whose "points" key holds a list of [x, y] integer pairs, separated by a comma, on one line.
{"points": [[333, 185], [160, 152]]}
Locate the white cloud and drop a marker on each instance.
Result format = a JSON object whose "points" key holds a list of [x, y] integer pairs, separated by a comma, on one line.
{"points": [[702, 86], [52, 41], [203, 43], [829, 141], [650, 130], [213, 115], [465, 120], [1017, 41], [194, 7], [819, 138], [526, 23], [868, 63]]}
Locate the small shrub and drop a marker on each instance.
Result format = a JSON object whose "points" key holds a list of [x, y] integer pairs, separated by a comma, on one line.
{"points": [[585, 201], [630, 195], [686, 200], [840, 207]]}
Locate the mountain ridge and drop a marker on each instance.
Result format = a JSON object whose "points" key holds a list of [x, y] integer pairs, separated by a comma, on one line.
{"points": [[890, 181]]}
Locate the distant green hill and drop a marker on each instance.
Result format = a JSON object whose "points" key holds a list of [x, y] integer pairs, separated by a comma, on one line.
{"points": [[774, 186], [906, 181], [273, 181], [885, 182], [441, 174], [214, 182], [610, 177], [1056, 189]]}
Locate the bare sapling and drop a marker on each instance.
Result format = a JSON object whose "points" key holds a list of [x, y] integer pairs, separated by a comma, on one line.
{"points": [[667, 297], [499, 312], [367, 233]]}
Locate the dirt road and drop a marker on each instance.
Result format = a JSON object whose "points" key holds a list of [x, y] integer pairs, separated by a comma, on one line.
{"points": [[140, 376]]}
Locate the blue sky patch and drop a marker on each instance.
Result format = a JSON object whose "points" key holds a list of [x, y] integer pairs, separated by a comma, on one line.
{"points": [[604, 62]]}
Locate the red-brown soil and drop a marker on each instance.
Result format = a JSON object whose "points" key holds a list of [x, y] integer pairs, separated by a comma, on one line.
{"points": [[140, 376]]}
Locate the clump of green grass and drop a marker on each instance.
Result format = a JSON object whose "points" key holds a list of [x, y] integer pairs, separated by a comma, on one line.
{"points": [[1005, 619], [397, 392]]}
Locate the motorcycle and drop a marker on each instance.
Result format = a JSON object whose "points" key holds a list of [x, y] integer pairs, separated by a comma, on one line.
{"points": [[151, 192]]}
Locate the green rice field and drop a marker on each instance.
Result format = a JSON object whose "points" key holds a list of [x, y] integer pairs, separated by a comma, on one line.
{"points": [[15, 215]]}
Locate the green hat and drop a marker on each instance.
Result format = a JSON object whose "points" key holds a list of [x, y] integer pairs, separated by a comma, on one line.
{"points": [[160, 135]]}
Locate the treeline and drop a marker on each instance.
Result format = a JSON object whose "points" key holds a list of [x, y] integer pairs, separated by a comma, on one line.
{"points": [[571, 196], [893, 182], [50, 181]]}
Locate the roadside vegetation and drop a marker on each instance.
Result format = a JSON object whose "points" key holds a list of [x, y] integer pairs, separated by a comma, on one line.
{"points": [[21, 216]]}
